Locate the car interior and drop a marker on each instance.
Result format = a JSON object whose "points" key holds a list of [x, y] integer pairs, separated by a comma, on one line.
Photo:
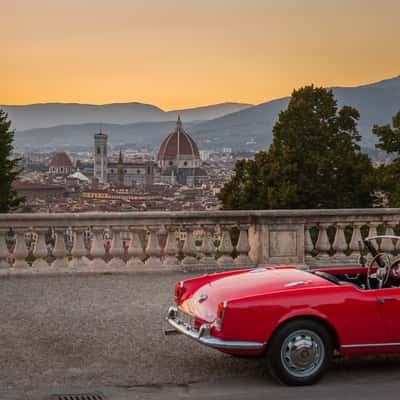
{"points": [[382, 271]]}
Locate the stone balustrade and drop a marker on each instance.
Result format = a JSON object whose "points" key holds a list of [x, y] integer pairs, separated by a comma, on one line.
{"points": [[191, 240]]}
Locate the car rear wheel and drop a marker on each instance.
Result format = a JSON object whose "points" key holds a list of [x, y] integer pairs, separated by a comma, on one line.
{"points": [[300, 352]]}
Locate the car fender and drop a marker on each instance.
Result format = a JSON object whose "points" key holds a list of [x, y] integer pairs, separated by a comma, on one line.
{"points": [[312, 313]]}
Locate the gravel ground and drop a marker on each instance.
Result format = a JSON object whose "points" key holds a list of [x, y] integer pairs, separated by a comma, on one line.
{"points": [[104, 329], [108, 330]]}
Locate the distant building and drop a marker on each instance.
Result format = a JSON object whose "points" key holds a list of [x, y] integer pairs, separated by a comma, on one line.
{"points": [[123, 173], [61, 164], [32, 191], [179, 158], [120, 173], [178, 162], [205, 155], [100, 157]]}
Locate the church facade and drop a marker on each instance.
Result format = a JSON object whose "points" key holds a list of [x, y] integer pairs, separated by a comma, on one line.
{"points": [[120, 173], [178, 163]]}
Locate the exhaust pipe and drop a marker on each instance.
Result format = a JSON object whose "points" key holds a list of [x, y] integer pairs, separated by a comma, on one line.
{"points": [[171, 331]]}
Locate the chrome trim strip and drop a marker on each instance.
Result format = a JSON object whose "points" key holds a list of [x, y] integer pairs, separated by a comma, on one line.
{"points": [[352, 346], [202, 336]]}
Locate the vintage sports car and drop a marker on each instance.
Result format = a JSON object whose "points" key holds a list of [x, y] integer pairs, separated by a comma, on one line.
{"points": [[298, 319]]}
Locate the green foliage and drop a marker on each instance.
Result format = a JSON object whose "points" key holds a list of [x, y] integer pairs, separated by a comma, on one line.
{"points": [[389, 138], [9, 169], [313, 162], [388, 175]]}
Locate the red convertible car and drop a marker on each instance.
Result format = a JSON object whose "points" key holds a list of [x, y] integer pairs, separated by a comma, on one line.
{"points": [[298, 319]]}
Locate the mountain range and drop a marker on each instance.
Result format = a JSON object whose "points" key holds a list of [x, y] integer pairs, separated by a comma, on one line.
{"points": [[236, 125]]}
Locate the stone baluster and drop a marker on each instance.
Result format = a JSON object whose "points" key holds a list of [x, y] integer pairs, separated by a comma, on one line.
{"points": [[79, 252], [4, 253], [387, 245], [373, 231], [243, 246], [135, 248], [323, 246], [171, 246], [21, 250], [339, 244], [153, 250], [60, 251], [40, 250], [396, 242], [308, 243], [117, 248], [354, 242], [189, 247], [98, 251], [225, 247], [207, 249]]}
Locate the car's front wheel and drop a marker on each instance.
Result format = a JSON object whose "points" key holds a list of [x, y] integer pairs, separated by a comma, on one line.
{"points": [[299, 352]]}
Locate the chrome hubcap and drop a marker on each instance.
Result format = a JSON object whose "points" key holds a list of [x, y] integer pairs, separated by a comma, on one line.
{"points": [[302, 353]]}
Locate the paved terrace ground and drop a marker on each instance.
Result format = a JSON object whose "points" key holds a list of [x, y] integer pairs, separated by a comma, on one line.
{"points": [[106, 331]]}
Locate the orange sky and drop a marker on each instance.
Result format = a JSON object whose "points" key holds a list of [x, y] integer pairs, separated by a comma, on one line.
{"points": [[184, 53]]}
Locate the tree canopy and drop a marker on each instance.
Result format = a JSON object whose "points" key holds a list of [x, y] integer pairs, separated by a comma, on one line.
{"points": [[9, 170], [389, 175], [314, 160]]}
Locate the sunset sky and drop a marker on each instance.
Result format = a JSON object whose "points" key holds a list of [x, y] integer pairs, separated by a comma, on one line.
{"points": [[184, 53]]}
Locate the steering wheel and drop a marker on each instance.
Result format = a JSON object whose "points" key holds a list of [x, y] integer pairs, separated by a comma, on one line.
{"points": [[395, 267], [382, 273]]}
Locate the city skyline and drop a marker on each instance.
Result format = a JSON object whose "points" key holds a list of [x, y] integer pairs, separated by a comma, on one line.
{"points": [[177, 54]]}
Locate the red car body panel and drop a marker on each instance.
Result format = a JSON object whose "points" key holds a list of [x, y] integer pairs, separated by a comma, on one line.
{"points": [[261, 300]]}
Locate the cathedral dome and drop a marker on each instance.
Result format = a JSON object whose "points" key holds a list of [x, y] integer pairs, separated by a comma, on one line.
{"points": [[178, 144], [61, 160]]}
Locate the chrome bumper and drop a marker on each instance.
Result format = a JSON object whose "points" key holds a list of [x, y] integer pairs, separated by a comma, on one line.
{"points": [[203, 335]]}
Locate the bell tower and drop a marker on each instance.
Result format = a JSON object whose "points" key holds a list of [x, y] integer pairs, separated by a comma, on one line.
{"points": [[100, 157]]}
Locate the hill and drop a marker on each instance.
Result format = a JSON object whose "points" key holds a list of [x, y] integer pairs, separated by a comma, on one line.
{"points": [[53, 114], [376, 102], [250, 128]]}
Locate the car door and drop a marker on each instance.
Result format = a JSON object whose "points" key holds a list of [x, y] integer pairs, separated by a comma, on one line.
{"points": [[389, 306]]}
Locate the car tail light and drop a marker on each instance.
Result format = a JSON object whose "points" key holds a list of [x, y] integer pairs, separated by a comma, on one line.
{"points": [[221, 314], [179, 290]]}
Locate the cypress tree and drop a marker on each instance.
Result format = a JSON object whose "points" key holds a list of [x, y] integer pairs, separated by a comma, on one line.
{"points": [[9, 168]]}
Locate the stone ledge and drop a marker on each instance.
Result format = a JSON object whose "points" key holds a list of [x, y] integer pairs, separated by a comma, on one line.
{"points": [[85, 271]]}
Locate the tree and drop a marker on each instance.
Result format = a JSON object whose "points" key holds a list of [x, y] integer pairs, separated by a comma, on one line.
{"points": [[314, 160], [388, 175], [9, 170]]}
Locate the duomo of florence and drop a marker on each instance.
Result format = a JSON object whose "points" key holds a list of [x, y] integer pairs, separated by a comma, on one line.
{"points": [[178, 162]]}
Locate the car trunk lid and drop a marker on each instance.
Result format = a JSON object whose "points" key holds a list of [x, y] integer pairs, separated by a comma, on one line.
{"points": [[204, 301]]}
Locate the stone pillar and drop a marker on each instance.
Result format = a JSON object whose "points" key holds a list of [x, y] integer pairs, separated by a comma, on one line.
{"points": [[355, 238], [207, 249], [79, 252], [189, 247], [372, 231], [20, 251], [98, 251], [243, 246], [171, 247], [60, 251], [40, 251], [308, 244], [4, 253], [387, 245], [153, 250], [135, 248], [225, 247], [117, 249], [339, 244], [323, 245]]}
